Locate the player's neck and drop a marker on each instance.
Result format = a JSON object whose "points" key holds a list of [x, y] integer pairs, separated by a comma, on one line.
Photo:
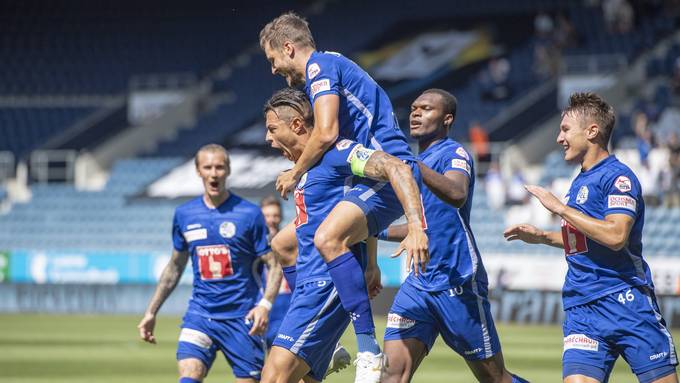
{"points": [[425, 143], [305, 55], [593, 157], [214, 202]]}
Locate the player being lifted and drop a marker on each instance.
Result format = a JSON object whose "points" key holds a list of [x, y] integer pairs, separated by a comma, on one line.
{"points": [[223, 235], [347, 103], [316, 318], [450, 297], [608, 295]]}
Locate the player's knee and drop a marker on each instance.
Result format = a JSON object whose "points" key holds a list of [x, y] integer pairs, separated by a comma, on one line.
{"points": [[193, 369], [284, 250], [398, 370], [329, 245]]}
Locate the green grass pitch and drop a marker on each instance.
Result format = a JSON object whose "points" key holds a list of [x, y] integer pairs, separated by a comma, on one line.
{"points": [[70, 348]]}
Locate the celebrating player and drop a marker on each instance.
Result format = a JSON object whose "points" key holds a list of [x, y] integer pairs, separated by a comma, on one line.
{"points": [[316, 318], [450, 297], [223, 234], [347, 103], [608, 295], [271, 210]]}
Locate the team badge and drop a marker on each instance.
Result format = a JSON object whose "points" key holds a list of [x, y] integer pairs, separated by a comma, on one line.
{"points": [[363, 154], [461, 152], [343, 144], [623, 184], [313, 70], [227, 229], [582, 195]]}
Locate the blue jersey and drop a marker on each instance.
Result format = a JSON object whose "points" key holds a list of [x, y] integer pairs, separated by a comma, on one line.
{"points": [[365, 114], [223, 244], [454, 257], [609, 187], [317, 193]]}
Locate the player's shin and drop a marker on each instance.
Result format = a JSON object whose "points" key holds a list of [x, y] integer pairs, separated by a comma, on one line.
{"points": [[349, 281]]}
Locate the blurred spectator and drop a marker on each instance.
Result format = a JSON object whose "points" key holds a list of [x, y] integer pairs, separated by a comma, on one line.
{"points": [[673, 193], [543, 25], [271, 210], [644, 138], [618, 15], [495, 187], [517, 194], [675, 82], [494, 80], [565, 33], [479, 140]]}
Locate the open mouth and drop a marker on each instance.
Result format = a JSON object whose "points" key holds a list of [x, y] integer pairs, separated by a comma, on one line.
{"points": [[415, 124], [214, 184]]}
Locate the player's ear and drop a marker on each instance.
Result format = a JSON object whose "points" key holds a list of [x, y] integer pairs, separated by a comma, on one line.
{"points": [[448, 120], [288, 48], [592, 130], [298, 126]]}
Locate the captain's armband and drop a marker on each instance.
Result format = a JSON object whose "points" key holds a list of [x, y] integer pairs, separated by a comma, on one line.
{"points": [[358, 158]]}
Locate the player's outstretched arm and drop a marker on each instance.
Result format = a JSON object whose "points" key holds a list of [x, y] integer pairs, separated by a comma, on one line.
{"points": [[168, 280], [384, 167], [325, 133], [259, 315], [451, 187], [531, 234], [612, 231]]}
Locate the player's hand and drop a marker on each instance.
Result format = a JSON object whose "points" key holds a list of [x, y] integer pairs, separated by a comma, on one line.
{"points": [[524, 232], [373, 282], [146, 326], [259, 317], [546, 198], [286, 182], [416, 246]]}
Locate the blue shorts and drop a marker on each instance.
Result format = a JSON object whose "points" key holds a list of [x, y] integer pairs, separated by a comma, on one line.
{"points": [[625, 323], [279, 310], [461, 315], [201, 337], [314, 324], [378, 200]]}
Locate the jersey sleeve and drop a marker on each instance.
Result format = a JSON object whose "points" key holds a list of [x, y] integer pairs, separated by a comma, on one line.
{"points": [[622, 195], [349, 158], [456, 160], [178, 240], [322, 77], [260, 236]]}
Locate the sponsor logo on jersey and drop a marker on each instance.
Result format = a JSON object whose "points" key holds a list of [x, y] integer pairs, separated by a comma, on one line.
{"points": [[195, 337], [286, 337], [461, 152], [582, 195], [658, 356], [195, 235], [621, 201], [320, 86], [472, 352], [227, 229], [194, 226], [580, 342], [313, 70], [623, 184], [214, 262], [343, 144], [398, 321], [460, 164]]}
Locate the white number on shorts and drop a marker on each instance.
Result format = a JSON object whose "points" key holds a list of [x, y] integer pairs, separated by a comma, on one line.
{"points": [[628, 297]]}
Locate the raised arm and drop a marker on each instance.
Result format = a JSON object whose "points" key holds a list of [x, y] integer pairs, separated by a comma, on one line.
{"points": [[381, 166], [325, 133], [168, 280]]}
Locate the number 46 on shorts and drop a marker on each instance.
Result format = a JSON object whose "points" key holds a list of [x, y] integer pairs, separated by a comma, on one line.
{"points": [[626, 297]]}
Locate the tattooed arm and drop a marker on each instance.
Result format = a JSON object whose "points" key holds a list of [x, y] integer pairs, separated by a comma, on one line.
{"points": [[381, 166], [169, 278]]}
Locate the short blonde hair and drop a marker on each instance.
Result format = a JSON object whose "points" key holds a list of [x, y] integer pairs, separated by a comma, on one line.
{"points": [[287, 27], [212, 148]]}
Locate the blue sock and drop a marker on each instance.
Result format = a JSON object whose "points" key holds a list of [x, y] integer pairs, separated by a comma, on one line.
{"points": [[290, 273], [188, 380], [349, 281], [517, 379]]}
